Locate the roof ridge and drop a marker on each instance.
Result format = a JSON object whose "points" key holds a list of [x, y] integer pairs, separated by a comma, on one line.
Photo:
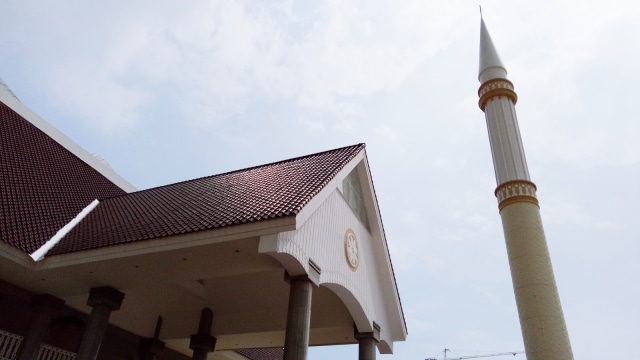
{"points": [[355, 146]]}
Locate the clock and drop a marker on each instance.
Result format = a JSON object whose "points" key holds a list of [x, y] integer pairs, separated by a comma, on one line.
{"points": [[351, 250]]}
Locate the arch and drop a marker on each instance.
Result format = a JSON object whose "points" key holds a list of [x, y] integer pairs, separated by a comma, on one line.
{"points": [[362, 318], [362, 322], [286, 252]]}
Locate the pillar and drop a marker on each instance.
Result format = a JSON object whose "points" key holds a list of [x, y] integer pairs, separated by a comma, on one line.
{"points": [[103, 301], [149, 348], [366, 348], [42, 306], [296, 339], [367, 342], [203, 343]]}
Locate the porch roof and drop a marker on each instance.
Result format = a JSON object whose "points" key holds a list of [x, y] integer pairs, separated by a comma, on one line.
{"points": [[260, 193]]}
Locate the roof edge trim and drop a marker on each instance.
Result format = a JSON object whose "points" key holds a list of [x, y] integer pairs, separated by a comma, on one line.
{"points": [[383, 236], [15, 255], [169, 243], [6, 88], [42, 251], [11, 100]]}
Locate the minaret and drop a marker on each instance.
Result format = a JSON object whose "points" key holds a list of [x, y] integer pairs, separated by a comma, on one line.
{"points": [[543, 327]]}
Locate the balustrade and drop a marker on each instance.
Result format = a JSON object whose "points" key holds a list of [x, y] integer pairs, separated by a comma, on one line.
{"points": [[10, 344]]}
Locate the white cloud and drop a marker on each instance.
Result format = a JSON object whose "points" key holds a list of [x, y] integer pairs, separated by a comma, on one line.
{"points": [[314, 126], [387, 133], [411, 218], [217, 54], [441, 163], [575, 215]]}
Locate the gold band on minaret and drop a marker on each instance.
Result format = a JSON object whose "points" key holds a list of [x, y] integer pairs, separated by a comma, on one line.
{"points": [[496, 87], [516, 191]]}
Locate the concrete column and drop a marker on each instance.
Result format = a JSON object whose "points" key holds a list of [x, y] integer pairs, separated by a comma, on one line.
{"points": [[42, 306], [366, 348], [367, 342], [103, 300], [149, 348], [296, 339], [203, 343]]}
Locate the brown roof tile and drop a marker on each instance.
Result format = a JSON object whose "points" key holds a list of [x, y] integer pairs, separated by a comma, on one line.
{"points": [[259, 193], [262, 354], [42, 185]]}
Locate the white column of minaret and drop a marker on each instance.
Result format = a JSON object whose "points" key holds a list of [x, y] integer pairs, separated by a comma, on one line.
{"points": [[543, 327]]}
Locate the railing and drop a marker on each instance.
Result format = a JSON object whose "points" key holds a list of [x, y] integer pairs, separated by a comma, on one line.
{"points": [[10, 344], [48, 352]]}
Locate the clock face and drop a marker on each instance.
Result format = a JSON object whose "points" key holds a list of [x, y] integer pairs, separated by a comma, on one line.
{"points": [[351, 249]]}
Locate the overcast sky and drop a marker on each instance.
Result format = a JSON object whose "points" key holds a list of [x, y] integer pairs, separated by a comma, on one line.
{"points": [[171, 90]]}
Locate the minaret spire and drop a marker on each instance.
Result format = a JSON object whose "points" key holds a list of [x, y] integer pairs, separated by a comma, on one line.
{"points": [[541, 319], [490, 64]]}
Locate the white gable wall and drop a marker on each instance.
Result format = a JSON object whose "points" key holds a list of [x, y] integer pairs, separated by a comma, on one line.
{"points": [[323, 239], [369, 291]]}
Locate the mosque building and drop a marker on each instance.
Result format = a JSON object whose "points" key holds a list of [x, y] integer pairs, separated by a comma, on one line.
{"points": [[258, 263]]}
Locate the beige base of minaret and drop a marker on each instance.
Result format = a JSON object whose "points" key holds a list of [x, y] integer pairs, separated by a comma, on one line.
{"points": [[543, 327]]}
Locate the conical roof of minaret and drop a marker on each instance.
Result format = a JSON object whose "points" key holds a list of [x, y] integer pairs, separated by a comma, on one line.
{"points": [[490, 64]]}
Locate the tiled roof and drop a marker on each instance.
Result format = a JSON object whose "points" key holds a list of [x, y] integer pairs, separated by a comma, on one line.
{"points": [[262, 354], [259, 193], [42, 185]]}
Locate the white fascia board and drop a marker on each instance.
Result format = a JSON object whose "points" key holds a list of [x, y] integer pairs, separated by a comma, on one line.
{"points": [[22, 110], [15, 255], [385, 256], [42, 251], [170, 243]]}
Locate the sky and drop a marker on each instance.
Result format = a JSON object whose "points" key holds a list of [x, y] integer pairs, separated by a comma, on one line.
{"points": [[167, 91]]}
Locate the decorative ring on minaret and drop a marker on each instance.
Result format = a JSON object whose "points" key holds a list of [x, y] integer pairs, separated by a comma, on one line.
{"points": [[516, 191], [496, 87]]}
